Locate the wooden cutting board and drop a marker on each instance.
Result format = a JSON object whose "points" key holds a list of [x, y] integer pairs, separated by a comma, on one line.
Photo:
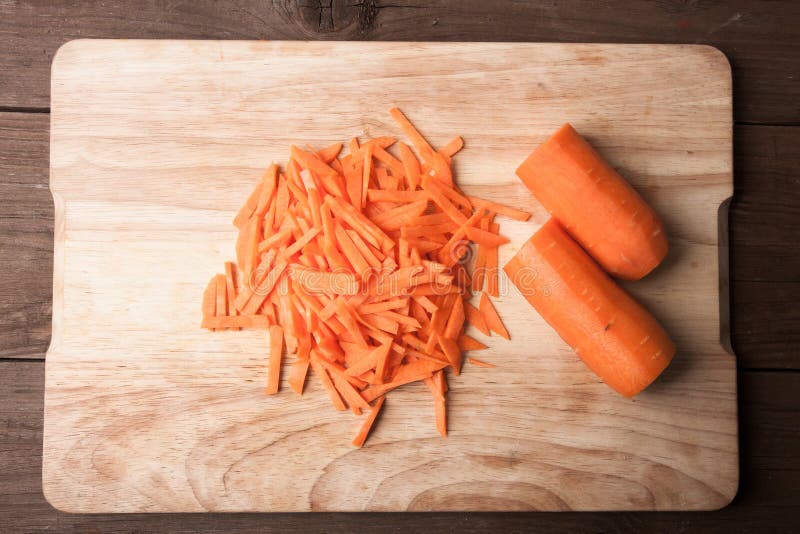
{"points": [[155, 144]]}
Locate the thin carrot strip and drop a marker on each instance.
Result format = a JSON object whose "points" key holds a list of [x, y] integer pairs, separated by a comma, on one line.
{"points": [[351, 252], [476, 318], [381, 195], [365, 176], [297, 375], [492, 269], [275, 355], [264, 288], [493, 320], [485, 238], [363, 432], [327, 384], [329, 153], [480, 363], [295, 247], [451, 148], [500, 209], [466, 342], [395, 165]]}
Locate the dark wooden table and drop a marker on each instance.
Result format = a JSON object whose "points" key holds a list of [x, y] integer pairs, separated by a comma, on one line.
{"points": [[762, 41]]}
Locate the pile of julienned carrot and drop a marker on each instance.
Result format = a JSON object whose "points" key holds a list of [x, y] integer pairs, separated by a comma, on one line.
{"points": [[592, 204], [354, 265]]}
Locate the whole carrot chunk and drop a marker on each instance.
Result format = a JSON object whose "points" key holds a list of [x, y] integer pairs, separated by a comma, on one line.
{"points": [[596, 206], [612, 333]]}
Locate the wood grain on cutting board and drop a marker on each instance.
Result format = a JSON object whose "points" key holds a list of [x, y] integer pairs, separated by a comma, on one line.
{"points": [[155, 144]]}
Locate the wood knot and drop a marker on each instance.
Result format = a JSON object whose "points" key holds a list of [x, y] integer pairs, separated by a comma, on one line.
{"points": [[334, 19]]}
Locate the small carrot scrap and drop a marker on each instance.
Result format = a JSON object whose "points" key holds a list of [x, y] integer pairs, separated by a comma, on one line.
{"points": [[491, 317], [468, 343], [353, 264], [480, 363], [275, 356], [363, 432]]}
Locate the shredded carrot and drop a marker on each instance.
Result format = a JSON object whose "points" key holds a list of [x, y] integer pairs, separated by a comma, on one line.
{"points": [[363, 432], [480, 363], [353, 264], [491, 317], [467, 343], [275, 355]]}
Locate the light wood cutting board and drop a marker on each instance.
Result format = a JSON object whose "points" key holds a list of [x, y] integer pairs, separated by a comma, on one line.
{"points": [[155, 144]]}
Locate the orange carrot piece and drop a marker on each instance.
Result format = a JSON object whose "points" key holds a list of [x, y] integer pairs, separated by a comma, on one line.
{"points": [[275, 356], [455, 323], [264, 288], [381, 195], [436, 194], [298, 245], [365, 176], [451, 148], [327, 384], [476, 319], [451, 351], [419, 142], [281, 200], [612, 333], [221, 307], [407, 373], [480, 363], [500, 209], [351, 396], [363, 432], [492, 269], [246, 211], [267, 190], [230, 288], [329, 153], [485, 238], [209, 307], [466, 342], [491, 317], [370, 254], [351, 252], [411, 167], [297, 375], [394, 165]]}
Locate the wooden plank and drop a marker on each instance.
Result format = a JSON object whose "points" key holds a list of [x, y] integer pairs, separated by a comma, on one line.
{"points": [[149, 166], [764, 237], [762, 40], [766, 501], [26, 236]]}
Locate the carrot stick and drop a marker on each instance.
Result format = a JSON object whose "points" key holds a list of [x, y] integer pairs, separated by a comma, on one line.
{"points": [[363, 432], [492, 268], [466, 342], [410, 166], [329, 153], [264, 288], [230, 287], [327, 384], [451, 148], [491, 317], [267, 190], [611, 332], [381, 195], [419, 142], [367, 171], [297, 375], [484, 237], [480, 363], [476, 319], [275, 355], [599, 209], [500, 209]]}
